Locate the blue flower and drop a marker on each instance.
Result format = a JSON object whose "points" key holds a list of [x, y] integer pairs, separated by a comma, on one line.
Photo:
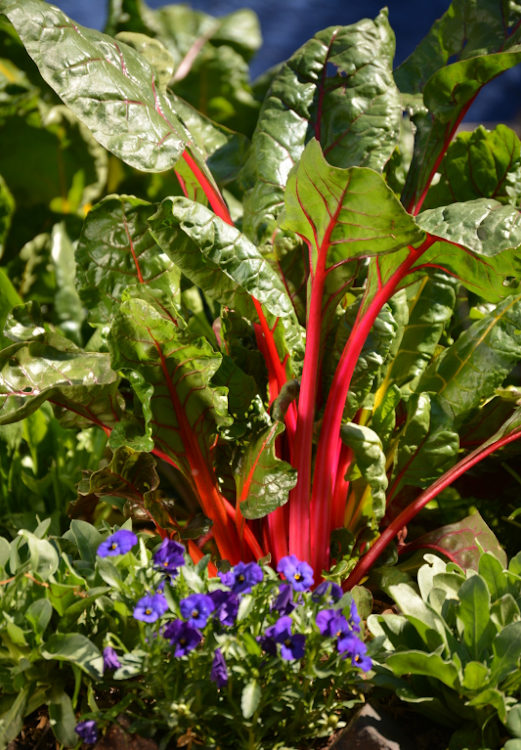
{"points": [[323, 620], [196, 609], [284, 600], [183, 636], [87, 731], [298, 573], [354, 618], [243, 577], [357, 650], [322, 589], [118, 543], [219, 673], [340, 628], [110, 658], [169, 557], [292, 646], [226, 606], [150, 608], [268, 644]]}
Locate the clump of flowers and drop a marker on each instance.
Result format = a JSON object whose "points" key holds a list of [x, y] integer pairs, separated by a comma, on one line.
{"points": [[227, 657]]}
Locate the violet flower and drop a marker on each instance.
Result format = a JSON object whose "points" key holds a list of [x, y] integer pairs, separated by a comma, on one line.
{"points": [[183, 636], [354, 617], [219, 673], [110, 658], [196, 609], [226, 606], [118, 543], [87, 731], [284, 600], [323, 620], [292, 646], [150, 608], [243, 577], [169, 557], [322, 589], [357, 650], [298, 573]]}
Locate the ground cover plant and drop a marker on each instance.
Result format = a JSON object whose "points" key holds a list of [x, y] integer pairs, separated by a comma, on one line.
{"points": [[268, 320], [181, 651]]}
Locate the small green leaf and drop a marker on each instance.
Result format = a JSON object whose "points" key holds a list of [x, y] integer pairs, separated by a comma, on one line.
{"points": [[87, 538], [513, 722], [474, 613], [250, 698], [12, 721], [77, 649], [44, 558], [475, 675], [418, 662], [506, 648], [492, 571], [39, 614], [63, 720], [370, 459]]}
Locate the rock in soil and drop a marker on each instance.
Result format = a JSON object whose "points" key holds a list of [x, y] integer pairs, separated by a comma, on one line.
{"points": [[376, 729]]}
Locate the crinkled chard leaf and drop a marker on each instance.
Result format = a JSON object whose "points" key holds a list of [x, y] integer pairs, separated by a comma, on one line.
{"points": [[116, 250], [354, 112], [483, 38], [81, 386], [108, 86], [468, 372]]}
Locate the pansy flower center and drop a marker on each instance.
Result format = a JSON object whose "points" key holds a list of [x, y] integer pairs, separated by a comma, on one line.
{"points": [[166, 563], [287, 642], [297, 576], [240, 578], [195, 613], [148, 611], [114, 545], [182, 641]]}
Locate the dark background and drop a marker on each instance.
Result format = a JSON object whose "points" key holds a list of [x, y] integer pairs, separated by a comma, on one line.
{"points": [[286, 24]]}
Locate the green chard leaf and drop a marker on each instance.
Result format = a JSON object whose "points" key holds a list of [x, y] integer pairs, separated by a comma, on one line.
{"points": [[485, 237], [344, 215], [461, 539], [479, 36], [227, 267], [355, 113], [81, 386], [115, 250], [428, 445], [370, 460], [468, 372], [482, 164], [110, 87], [431, 304]]}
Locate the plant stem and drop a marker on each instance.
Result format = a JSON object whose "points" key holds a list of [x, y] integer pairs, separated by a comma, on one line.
{"points": [[215, 198], [406, 516], [326, 464]]}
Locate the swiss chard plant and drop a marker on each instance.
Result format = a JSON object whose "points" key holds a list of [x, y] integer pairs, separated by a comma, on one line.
{"points": [[458, 637], [275, 320]]}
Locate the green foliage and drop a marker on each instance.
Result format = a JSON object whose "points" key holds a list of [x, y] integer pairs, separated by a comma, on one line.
{"points": [[457, 638], [63, 604]]}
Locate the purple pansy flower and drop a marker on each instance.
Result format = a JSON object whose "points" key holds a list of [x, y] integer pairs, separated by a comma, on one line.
{"points": [[226, 606], [340, 628], [323, 619], [219, 673], [267, 644], [196, 609], [322, 589], [169, 557], [243, 577], [183, 636], [354, 617], [110, 658], [118, 543], [87, 731], [298, 573], [292, 646], [357, 650], [284, 601], [150, 608]]}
